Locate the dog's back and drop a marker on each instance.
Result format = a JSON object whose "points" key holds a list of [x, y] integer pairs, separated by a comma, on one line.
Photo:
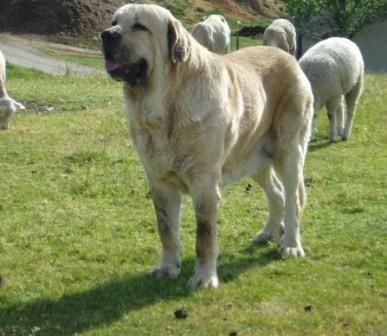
{"points": [[274, 77]]}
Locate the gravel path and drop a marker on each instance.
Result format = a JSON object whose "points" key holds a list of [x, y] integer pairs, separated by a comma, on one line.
{"points": [[26, 53]]}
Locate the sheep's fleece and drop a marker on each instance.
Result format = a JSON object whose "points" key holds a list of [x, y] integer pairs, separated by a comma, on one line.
{"points": [[281, 34], [213, 33], [335, 69]]}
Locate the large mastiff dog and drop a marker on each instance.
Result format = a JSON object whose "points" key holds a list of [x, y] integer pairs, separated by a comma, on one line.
{"points": [[200, 121]]}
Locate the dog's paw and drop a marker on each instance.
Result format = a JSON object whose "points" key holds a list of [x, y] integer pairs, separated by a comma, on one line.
{"points": [[290, 251], [266, 236], [340, 132], [203, 281], [263, 237], [166, 272]]}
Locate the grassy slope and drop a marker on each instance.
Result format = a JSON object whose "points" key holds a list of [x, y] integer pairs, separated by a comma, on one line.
{"points": [[194, 11], [77, 233]]}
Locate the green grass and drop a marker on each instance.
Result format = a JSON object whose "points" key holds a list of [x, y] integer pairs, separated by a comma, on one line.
{"points": [[89, 60], [77, 233], [244, 42]]}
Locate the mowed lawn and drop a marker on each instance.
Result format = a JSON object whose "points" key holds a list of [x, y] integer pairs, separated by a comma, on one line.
{"points": [[78, 234]]}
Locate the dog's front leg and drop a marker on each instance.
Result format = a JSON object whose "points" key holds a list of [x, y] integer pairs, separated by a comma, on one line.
{"points": [[167, 203], [205, 198]]}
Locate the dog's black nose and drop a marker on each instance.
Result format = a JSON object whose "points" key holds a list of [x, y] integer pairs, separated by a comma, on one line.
{"points": [[110, 35]]}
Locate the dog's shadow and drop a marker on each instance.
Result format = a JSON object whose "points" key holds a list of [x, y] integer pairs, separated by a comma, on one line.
{"points": [[322, 142], [315, 146], [108, 302]]}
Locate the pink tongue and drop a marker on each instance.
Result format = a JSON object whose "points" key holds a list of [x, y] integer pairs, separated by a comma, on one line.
{"points": [[111, 65]]}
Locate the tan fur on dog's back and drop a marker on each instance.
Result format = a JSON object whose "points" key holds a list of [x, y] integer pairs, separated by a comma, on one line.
{"points": [[258, 88], [278, 96]]}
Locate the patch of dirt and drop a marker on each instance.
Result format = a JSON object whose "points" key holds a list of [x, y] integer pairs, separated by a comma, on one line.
{"points": [[230, 8], [84, 18], [268, 9], [181, 313]]}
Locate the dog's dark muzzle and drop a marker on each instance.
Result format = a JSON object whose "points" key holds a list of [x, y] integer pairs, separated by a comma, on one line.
{"points": [[110, 40], [117, 62]]}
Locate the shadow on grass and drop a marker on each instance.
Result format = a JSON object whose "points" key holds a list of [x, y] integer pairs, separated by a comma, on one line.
{"points": [[313, 146], [108, 302], [321, 143]]}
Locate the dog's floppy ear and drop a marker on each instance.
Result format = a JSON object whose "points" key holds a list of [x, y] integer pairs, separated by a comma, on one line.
{"points": [[178, 43]]}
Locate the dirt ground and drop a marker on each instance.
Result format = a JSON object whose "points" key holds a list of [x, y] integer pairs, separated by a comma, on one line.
{"points": [[68, 17]]}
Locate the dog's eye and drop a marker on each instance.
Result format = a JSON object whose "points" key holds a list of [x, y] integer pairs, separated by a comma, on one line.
{"points": [[139, 26]]}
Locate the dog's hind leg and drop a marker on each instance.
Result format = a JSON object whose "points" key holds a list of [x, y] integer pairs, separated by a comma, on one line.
{"points": [[205, 196], [290, 167], [167, 203], [274, 227]]}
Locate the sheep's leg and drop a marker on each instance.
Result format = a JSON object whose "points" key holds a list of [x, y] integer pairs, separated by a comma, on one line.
{"points": [[3, 91], [340, 118], [274, 227], [352, 99], [332, 106], [313, 132]]}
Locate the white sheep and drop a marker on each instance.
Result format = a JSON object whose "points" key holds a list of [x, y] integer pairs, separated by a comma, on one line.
{"points": [[281, 34], [335, 69], [213, 33], [7, 104]]}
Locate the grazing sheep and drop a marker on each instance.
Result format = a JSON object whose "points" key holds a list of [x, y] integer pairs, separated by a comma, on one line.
{"points": [[7, 104], [213, 33], [335, 69], [281, 34]]}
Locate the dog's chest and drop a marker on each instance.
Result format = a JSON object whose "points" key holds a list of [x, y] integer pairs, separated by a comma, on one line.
{"points": [[161, 155]]}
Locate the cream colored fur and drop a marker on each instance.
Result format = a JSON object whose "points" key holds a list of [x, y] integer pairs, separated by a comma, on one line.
{"points": [[203, 120]]}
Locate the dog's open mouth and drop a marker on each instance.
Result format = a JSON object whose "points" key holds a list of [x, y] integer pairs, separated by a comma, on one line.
{"points": [[112, 65], [134, 74]]}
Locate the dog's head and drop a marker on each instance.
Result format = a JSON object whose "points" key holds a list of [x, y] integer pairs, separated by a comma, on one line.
{"points": [[142, 37]]}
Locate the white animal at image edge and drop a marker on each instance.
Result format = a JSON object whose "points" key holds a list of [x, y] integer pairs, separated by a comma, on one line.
{"points": [[7, 104]]}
